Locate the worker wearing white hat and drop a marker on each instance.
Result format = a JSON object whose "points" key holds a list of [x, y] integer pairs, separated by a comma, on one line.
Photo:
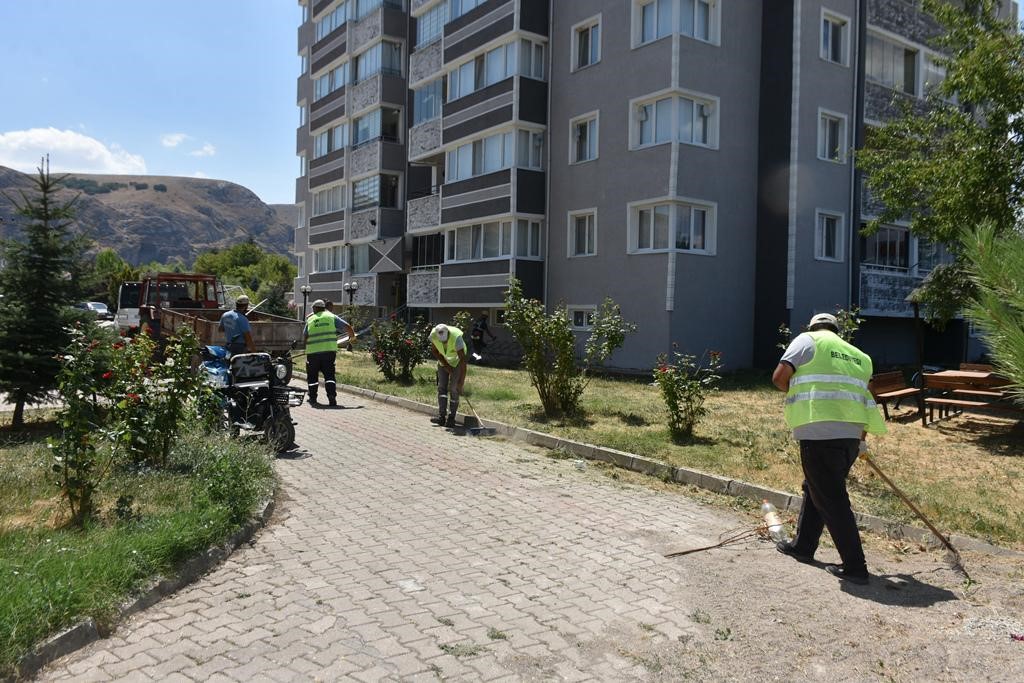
{"points": [[449, 348]]}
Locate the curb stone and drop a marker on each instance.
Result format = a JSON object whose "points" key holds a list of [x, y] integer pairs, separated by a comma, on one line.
{"points": [[685, 475], [86, 631]]}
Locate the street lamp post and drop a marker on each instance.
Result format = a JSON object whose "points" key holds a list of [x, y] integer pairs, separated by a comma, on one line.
{"points": [[305, 289], [350, 288]]}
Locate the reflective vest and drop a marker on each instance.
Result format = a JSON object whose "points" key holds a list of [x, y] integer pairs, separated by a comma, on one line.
{"points": [[447, 349], [833, 386], [322, 333]]}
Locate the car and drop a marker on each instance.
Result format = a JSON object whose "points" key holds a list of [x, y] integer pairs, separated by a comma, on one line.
{"points": [[97, 307]]}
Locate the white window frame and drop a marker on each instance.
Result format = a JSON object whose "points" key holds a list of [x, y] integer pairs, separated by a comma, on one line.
{"points": [[638, 105], [338, 253], [588, 316], [469, 159], [535, 149], [819, 235], [591, 116], [350, 266], [824, 51], [571, 251], [329, 199], [822, 150], [531, 223], [714, 22], [587, 25], [675, 22], [896, 41], [430, 19], [474, 232], [300, 264], [676, 205]]}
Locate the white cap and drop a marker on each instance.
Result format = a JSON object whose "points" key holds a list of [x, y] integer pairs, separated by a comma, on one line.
{"points": [[824, 319], [319, 303], [242, 300], [441, 331]]}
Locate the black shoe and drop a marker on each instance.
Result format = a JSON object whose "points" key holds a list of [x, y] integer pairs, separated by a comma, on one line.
{"points": [[312, 401], [787, 548], [450, 423], [332, 403], [438, 419], [840, 572]]}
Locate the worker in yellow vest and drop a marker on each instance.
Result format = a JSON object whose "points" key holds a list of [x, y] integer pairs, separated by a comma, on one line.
{"points": [[449, 348], [830, 409], [321, 340]]}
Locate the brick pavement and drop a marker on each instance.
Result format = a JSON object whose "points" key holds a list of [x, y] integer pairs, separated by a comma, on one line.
{"points": [[402, 552]]}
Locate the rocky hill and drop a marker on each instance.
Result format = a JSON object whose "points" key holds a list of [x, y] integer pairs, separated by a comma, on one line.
{"points": [[153, 218]]}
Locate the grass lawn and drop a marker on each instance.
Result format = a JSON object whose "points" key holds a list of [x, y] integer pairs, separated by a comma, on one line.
{"points": [[966, 473], [52, 576]]}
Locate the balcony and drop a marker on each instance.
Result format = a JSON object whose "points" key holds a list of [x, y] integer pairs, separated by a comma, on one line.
{"points": [[884, 292], [424, 213], [423, 286], [365, 94], [425, 62], [425, 140], [366, 294], [364, 159]]}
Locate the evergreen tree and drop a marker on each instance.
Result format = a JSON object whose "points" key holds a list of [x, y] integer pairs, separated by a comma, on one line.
{"points": [[41, 279]]}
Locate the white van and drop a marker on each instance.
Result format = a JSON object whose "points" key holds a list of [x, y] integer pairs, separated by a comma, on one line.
{"points": [[128, 306]]}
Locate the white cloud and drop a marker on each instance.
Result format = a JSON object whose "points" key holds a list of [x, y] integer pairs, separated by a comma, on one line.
{"points": [[199, 174], [172, 139], [70, 152], [207, 150]]}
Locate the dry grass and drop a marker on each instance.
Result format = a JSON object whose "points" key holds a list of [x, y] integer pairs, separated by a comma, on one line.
{"points": [[965, 473]]}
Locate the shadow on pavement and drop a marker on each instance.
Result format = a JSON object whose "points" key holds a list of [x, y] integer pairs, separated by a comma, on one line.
{"points": [[900, 590], [294, 453]]}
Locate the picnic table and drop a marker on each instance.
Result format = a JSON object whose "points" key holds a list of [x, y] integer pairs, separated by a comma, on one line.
{"points": [[965, 390]]}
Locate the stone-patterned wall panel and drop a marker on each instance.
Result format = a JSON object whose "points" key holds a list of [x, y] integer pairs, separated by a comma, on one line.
{"points": [[359, 225], [425, 62], [884, 104], [364, 159], [365, 94], [365, 30], [366, 295], [423, 287], [869, 205], [883, 292], [424, 212], [424, 138], [416, 4], [904, 18]]}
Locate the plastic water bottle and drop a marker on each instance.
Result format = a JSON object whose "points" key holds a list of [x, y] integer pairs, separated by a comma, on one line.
{"points": [[776, 529]]}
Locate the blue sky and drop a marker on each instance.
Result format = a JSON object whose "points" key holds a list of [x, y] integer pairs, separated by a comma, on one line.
{"points": [[202, 88]]}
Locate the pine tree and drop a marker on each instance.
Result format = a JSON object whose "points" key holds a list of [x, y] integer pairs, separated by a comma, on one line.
{"points": [[40, 280]]}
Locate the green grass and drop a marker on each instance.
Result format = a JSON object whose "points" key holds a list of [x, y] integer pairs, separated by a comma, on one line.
{"points": [[52, 576], [963, 473]]}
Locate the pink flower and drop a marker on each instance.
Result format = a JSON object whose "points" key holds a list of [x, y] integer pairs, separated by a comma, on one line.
{"points": [[134, 397], [107, 375]]}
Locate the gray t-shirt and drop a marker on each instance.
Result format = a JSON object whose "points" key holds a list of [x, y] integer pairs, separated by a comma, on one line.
{"points": [[799, 352]]}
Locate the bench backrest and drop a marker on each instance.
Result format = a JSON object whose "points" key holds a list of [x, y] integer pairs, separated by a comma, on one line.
{"points": [[887, 381]]}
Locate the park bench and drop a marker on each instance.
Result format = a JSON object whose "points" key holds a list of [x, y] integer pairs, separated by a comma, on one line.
{"points": [[888, 386], [968, 389]]}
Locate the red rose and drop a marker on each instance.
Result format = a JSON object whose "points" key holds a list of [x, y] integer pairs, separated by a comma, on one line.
{"points": [[107, 375], [134, 397]]}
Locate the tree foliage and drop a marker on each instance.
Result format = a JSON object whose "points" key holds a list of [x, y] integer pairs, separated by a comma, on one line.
{"points": [[549, 347], [962, 161], [41, 279], [263, 275]]}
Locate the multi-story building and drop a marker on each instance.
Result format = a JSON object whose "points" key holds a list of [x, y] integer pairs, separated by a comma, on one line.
{"points": [[690, 159]]}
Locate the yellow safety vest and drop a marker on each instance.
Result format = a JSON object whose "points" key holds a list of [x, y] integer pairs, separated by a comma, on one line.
{"points": [[447, 349], [323, 335]]}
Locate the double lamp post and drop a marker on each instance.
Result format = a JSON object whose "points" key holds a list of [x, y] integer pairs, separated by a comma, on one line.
{"points": [[349, 287]]}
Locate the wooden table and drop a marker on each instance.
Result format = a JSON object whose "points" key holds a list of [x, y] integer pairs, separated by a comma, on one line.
{"points": [[965, 390]]}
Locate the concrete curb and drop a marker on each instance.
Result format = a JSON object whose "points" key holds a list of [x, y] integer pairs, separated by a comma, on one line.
{"points": [[684, 475], [86, 631]]}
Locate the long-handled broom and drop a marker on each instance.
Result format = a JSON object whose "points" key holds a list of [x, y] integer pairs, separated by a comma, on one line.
{"points": [[479, 430], [953, 556]]}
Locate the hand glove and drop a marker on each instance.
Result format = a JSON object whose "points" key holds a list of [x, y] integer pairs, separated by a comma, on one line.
{"points": [[862, 449]]}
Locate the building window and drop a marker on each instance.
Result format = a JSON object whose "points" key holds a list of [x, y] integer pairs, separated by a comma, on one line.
{"points": [[695, 118], [689, 227], [929, 255], [329, 82], [581, 318], [696, 19], [583, 233], [528, 239], [303, 114], [531, 59], [586, 43], [583, 141], [530, 150], [834, 38], [329, 259], [456, 8], [384, 57], [330, 140], [891, 64], [476, 242], [485, 69], [430, 26], [427, 101], [933, 75], [301, 222], [301, 265], [374, 191], [303, 166], [475, 158], [828, 236], [333, 20], [329, 200], [689, 119], [380, 124], [360, 256], [303, 63], [427, 250], [831, 137], [887, 249], [655, 19]]}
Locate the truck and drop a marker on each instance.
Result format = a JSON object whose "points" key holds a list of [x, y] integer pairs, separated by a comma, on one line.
{"points": [[166, 302]]}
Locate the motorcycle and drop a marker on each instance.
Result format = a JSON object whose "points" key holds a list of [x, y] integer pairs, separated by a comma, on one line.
{"points": [[254, 394]]}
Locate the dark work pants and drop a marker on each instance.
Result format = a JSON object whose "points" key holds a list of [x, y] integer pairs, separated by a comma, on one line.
{"points": [[317, 364], [826, 501]]}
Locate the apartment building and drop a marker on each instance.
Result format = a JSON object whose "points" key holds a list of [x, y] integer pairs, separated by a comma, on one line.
{"points": [[690, 159]]}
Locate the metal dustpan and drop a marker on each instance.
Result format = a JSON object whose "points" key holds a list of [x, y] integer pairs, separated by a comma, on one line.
{"points": [[479, 429]]}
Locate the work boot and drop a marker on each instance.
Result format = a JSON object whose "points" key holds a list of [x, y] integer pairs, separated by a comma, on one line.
{"points": [[788, 548], [861, 578], [332, 402], [450, 422], [312, 401], [438, 419]]}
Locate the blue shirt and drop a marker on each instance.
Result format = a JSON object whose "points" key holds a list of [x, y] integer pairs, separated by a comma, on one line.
{"points": [[235, 325]]}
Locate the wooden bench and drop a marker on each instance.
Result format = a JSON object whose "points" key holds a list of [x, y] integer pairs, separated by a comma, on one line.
{"points": [[945, 404], [887, 386], [972, 388]]}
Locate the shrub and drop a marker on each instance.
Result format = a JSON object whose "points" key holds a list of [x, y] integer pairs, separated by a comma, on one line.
{"points": [[684, 386], [160, 187], [141, 186], [549, 347], [398, 349]]}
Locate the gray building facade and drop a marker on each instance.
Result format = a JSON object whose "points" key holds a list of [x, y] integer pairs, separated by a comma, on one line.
{"points": [[690, 159]]}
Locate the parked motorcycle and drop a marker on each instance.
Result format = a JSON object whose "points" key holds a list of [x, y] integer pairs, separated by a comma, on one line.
{"points": [[254, 392]]}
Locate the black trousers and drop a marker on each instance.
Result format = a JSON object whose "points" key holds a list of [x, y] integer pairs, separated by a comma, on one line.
{"points": [[317, 364], [826, 501]]}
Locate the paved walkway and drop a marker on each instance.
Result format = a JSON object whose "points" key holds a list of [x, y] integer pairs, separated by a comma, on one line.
{"points": [[402, 552]]}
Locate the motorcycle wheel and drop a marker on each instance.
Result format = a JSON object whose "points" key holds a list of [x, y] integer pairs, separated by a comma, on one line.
{"points": [[280, 432]]}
